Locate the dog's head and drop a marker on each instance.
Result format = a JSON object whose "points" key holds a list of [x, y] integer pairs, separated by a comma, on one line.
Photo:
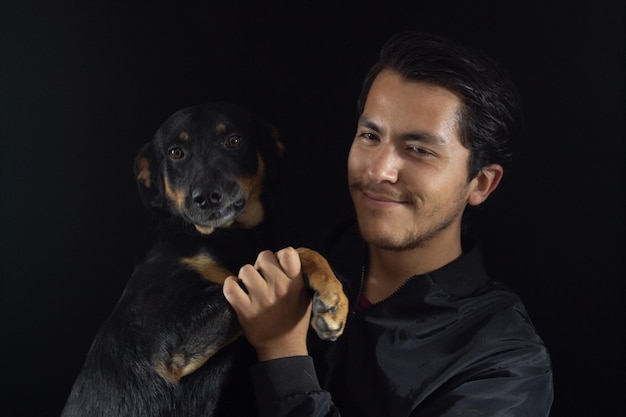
{"points": [[209, 165]]}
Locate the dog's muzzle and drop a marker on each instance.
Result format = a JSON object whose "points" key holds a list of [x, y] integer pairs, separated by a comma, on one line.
{"points": [[214, 208]]}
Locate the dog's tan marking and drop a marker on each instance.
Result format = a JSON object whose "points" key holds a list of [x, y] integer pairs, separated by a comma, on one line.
{"points": [[279, 144], [328, 291], [180, 364], [184, 136], [143, 165], [253, 213], [207, 268], [205, 230], [220, 128], [176, 196]]}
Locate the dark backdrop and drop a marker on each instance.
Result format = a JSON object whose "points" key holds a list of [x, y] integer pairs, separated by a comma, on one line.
{"points": [[84, 86]]}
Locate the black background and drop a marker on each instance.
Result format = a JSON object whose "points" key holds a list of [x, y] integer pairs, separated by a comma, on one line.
{"points": [[85, 85]]}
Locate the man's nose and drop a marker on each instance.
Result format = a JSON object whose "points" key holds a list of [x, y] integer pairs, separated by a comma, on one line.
{"points": [[384, 164]]}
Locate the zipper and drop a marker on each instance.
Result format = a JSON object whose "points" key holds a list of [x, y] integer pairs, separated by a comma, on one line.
{"points": [[353, 312], [396, 291], [362, 285]]}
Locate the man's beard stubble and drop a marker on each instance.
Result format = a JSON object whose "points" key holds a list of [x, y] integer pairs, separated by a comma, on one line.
{"points": [[416, 237]]}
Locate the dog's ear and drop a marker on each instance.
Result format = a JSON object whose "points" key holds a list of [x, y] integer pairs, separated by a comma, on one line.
{"points": [[274, 151], [148, 176]]}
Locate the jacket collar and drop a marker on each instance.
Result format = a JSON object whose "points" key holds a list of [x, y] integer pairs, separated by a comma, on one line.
{"points": [[464, 275], [461, 277]]}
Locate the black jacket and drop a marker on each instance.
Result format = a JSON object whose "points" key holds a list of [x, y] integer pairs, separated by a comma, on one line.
{"points": [[449, 343]]}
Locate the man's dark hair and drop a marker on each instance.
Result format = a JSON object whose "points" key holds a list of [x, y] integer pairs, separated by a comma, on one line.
{"points": [[491, 116]]}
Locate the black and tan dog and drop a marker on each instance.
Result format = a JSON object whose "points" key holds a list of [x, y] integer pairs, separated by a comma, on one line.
{"points": [[171, 347]]}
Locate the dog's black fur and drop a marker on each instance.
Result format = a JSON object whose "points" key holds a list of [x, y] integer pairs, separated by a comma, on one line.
{"points": [[171, 346]]}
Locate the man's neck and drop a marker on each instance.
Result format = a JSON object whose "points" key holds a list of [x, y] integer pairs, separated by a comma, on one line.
{"points": [[388, 270]]}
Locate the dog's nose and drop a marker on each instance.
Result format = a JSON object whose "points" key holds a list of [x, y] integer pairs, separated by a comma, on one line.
{"points": [[205, 199]]}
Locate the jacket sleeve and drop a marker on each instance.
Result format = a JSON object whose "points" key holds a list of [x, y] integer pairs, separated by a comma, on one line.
{"points": [[289, 387], [508, 391]]}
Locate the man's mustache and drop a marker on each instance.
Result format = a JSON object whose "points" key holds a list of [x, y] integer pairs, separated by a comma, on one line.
{"points": [[382, 190]]}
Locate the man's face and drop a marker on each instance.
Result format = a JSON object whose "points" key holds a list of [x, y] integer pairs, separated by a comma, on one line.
{"points": [[407, 169]]}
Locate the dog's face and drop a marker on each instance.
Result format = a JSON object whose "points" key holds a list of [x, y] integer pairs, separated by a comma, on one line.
{"points": [[209, 164]]}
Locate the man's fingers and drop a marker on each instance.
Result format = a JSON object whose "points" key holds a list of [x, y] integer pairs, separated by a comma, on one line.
{"points": [[268, 267], [289, 260], [251, 279], [235, 295], [272, 277], [265, 258]]}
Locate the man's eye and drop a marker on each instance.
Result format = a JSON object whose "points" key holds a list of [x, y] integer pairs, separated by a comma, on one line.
{"points": [[233, 142], [420, 151], [176, 153], [368, 136]]}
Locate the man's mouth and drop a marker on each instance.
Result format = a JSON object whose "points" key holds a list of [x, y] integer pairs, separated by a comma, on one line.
{"points": [[383, 198], [382, 194]]}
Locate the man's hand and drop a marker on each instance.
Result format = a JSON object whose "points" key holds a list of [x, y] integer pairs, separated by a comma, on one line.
{"points": [[274, 309]]}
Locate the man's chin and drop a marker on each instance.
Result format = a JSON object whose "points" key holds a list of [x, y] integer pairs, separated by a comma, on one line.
{"points": [[377, 238], [389, 241]]}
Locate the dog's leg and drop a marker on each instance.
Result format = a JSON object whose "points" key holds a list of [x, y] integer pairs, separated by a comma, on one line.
{"points": [[207, 267], [172, 366], [196, 342], [330, 304]]}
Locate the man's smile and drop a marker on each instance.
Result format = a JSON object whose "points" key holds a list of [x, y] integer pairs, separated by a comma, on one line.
{"points": [[380, 195]]}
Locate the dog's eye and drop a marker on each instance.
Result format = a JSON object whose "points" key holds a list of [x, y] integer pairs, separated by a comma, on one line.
{"points": [[233, 142], [176, 153]]}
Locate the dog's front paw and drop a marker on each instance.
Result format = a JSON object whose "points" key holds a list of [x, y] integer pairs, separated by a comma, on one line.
{"points": [[330, 305], [328, 315]]}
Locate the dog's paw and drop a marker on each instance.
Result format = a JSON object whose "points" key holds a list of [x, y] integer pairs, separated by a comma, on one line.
{"points": [[328, 314], [330, 305]]}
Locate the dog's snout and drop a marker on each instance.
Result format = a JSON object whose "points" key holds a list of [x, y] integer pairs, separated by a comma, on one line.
{"points": [[206, 198]]}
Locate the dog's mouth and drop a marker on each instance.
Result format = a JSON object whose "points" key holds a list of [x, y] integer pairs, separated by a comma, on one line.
{"points": [[208, 219]]}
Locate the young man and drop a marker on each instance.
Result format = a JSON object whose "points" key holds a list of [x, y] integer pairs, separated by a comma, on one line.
{"points": [[430, 334]]}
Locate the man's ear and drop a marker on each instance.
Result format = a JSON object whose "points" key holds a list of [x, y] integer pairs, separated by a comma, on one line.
{"points": [[148, 176], [484, 184]]}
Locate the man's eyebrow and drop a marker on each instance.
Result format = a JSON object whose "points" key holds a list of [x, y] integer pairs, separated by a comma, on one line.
{"points": [[367, 123], [416, 136], [422, 136]]}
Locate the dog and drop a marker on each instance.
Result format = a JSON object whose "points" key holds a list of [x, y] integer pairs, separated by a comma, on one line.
{"points": [[172, 345]]}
